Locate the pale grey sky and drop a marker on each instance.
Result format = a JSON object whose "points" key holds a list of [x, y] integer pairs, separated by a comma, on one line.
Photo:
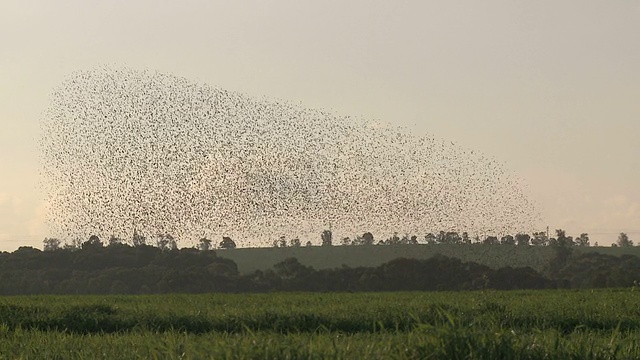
{"points": [[549, 88]]}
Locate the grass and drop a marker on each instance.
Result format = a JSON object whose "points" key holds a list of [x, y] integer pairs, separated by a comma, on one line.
{"points": [[602, 324]]}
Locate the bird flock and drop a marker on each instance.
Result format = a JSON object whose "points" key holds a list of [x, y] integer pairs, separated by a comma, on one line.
{"points": [[127, 150]]}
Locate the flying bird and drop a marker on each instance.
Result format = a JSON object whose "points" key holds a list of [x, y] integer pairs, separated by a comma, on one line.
{"points": [[127, 151]]}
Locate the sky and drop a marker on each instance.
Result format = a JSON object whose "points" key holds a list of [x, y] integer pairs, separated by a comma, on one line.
{"points": [[551, 89]]}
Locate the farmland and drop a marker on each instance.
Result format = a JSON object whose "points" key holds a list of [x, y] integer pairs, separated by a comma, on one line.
{"points": [[558, 324]]}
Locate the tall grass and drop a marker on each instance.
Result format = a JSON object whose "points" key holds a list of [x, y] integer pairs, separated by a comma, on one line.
{"points": [[465, 325]]}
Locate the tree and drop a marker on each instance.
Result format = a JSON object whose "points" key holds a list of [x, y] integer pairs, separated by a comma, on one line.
{"points": [[295, 242], [453, 237], [166, 242], [114, 240], [583, 240], [570, 241], [282, 242], [563, 249], [491, 240], [465, 238], [290, 269], [162, 242], [539, 239], [75, 244], [394, 240], [93, 243], [51, 244], [326, 238], [623, 240], [227, 243], [346, 241], [138, 239], [562, 239], [204, 244], [430, 238], [173, 243], [523, 239], [508, 240], [367, 238], [449, 237], [308, 244], [405, 240]]}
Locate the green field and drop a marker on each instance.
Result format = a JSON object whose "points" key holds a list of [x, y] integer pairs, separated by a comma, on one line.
{"points": [[601, 324], [330, 257]]}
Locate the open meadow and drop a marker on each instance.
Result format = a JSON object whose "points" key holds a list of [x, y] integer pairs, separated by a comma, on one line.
{"points": [[549, 324]]}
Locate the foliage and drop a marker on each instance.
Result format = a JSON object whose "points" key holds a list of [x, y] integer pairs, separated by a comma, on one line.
{"points": [[491, 240], [623, 240], [227, 243], [166, 242], [122, 269], [539, 239], [205, 244], [508, 240], [138, 239], [522, 239], [92, 243], [295, 242], [51, 244], [582, 240], [367, 239], [326, 238], [114, 240]]}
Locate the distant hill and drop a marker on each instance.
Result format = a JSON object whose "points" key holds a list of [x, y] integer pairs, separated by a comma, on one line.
{"points": [[329, 257]]}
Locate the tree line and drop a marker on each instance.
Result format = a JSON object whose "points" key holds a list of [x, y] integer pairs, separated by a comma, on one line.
{"points": [[453, 237], [167, 241], [144, 269]]}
